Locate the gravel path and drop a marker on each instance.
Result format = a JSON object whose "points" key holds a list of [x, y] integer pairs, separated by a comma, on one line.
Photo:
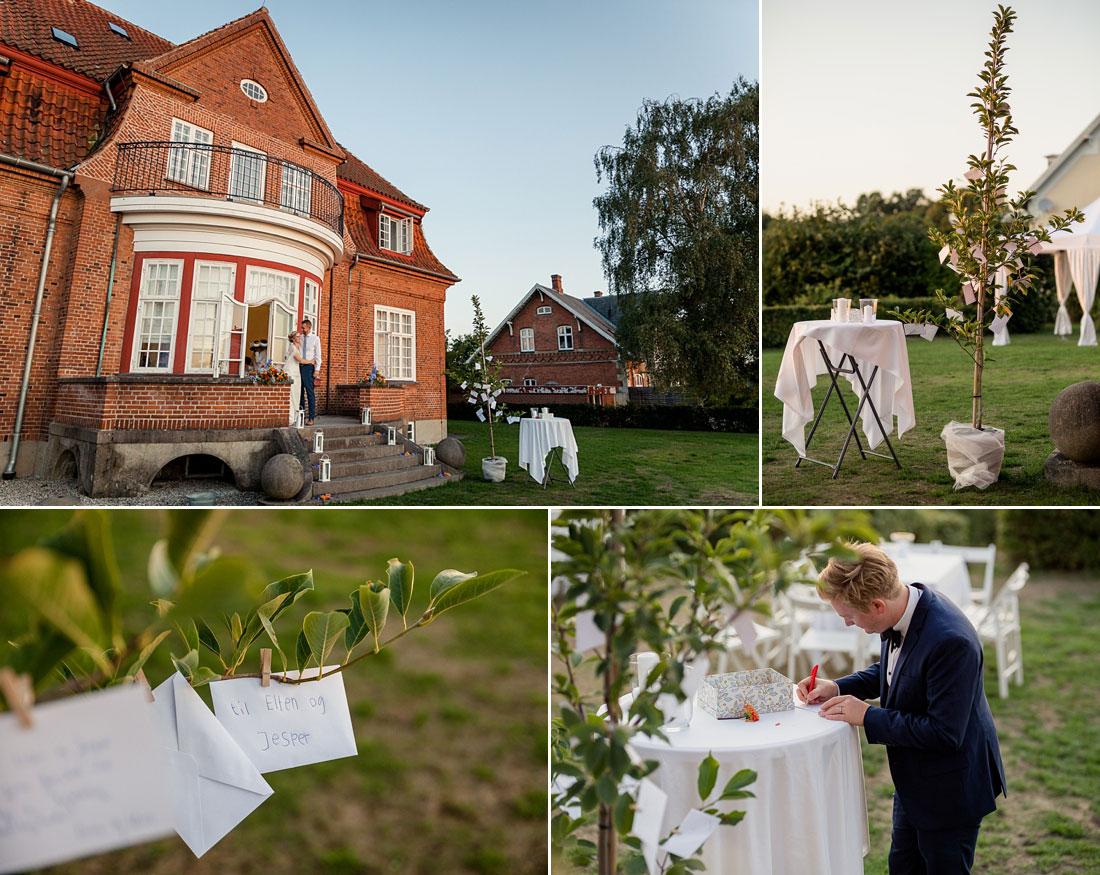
{"points": [[29, 491]]}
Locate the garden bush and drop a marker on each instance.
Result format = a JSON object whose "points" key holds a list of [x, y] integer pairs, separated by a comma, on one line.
{"points": [[1063, 540], [741, 420]]}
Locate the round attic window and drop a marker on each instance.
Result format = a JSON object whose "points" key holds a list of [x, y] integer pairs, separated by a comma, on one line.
{"points": [[254, 90]]}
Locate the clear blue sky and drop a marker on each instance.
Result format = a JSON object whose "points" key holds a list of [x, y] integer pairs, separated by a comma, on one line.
{"points": [[490, 112], [862, 95]]}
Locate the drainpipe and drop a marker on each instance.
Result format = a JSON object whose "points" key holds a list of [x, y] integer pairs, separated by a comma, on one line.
{"points": [[110, 289], [51, 226], [347, 330]]}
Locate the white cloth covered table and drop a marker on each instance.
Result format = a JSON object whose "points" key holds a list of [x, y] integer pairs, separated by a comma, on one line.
{"points": [[945, 573], [537, 437], [810, 810], [880, 343]]}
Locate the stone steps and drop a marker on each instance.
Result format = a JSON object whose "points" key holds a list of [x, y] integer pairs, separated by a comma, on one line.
{"points": [[379, 479], [391, 491]]}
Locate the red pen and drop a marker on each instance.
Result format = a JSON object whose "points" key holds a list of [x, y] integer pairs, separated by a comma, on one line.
{"points": [[813, 678]]}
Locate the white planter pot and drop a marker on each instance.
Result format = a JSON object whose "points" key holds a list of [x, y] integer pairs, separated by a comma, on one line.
{"points": [[973, 456], [494, 469]]}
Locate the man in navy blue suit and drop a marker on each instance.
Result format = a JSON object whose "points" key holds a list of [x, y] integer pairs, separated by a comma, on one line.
{"points": [[934, 718]]}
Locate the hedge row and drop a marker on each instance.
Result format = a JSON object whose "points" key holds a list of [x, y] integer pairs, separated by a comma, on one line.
{"points": [[1033, 312], [742, 420], [1050, 539]]}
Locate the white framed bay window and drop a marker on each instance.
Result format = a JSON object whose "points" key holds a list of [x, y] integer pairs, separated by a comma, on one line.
{"points": [[281, 289], [157, 312], [190, 166], [395, 343], [297, 189], [247, 173], [311, 294], [395, 233], [211, 289]]}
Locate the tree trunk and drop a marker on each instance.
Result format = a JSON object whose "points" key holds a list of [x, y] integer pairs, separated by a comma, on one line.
{"points": [[608, 845], [979, 366]]}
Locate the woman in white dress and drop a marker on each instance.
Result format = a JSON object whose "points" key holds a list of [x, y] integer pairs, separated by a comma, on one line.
{"points": [[293, 356]]}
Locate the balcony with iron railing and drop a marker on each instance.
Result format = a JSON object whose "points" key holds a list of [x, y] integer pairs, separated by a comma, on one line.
{"points": [[224, 173]]}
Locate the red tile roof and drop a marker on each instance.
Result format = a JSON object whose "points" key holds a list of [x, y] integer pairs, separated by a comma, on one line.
{"points": [[26, 25], [46, 122], [356, 171], [422, 258]]}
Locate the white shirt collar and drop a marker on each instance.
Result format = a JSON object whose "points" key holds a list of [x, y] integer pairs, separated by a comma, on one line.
{"points": [[914, 595]]}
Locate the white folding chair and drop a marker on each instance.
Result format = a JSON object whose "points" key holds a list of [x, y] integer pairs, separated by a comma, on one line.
{"points": [[767, 650], [985, 556], [819, 635], [999, 624]]}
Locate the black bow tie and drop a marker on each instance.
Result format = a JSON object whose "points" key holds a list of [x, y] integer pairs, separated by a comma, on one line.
{"points": [[893, 636]]}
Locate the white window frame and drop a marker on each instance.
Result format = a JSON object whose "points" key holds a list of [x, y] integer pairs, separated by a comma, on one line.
{"points": [[527, 340], [565, 332], [296, 189], [290, 301], [261, 91], [529, 381], [395, 233], [386, 367], [219, 302], [238, 165], [143, 299], [545, 311], [190, 167], [311, 300]]}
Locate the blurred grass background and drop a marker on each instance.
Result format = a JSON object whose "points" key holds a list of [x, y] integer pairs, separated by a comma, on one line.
{"points": [[450, 724]]}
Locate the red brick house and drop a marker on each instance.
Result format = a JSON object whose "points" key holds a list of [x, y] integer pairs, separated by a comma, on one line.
{"points": [[554, 348], [165, 207]]}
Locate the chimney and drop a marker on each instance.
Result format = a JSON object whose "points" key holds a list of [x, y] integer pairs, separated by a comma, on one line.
{"points": [[598, 294], [555, 281]]}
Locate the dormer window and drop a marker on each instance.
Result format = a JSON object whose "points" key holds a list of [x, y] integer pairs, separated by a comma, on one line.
{"points": [[254, 90], [544, 311], [395, 234]]}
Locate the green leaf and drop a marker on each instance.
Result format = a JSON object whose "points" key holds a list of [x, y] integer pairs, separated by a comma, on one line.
{"points": [[188, 632], [203, 675], [271, 634], [219, 585], [357, 624], [188, 664], [87, 538], [207, 638], [146, 652], [462, 591], [374, 602], [277, 597], [186, 531], [235, 628], [742, 779], [163, 579], [623, 814], [302, 653], [56, 589], [322, 630], [445, 580], [400, 575], [708, 774]]}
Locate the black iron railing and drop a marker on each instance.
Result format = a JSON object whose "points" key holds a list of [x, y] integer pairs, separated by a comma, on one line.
{"points": [[230, 174]]}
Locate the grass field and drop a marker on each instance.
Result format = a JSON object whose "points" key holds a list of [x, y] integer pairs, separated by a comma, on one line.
{"points": [[450, 723], [618, 466], [1019, 386]]}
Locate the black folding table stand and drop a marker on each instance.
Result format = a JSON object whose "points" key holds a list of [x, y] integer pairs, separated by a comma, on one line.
{"points": [[864, 398], [555, 453]]}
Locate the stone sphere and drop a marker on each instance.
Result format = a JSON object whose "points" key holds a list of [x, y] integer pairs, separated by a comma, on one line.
{"points": [[1075, 422], [450, 451], [282, 477]]}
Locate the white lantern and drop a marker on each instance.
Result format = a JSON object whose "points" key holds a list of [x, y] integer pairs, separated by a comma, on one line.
{"points": [[326, 469], [301, 421], [429, 456], [391, 435], [318, 441], [410, 431], [365, 416]]}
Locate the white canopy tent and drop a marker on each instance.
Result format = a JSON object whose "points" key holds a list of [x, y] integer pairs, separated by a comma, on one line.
{"points": [[1076, 252]]}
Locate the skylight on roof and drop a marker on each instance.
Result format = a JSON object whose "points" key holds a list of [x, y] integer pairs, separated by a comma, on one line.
{"points": [[119, 29], [64, 37]]}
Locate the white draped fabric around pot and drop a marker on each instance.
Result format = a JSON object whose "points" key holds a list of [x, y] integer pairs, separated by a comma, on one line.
{"points": [[809, 813], [1084, 267], [1063, 282], [1000, 287], [880, 343], [537, 437], [973, 457]]}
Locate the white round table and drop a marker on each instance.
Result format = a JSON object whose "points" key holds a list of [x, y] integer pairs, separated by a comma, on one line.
{"points": [[810, 810], [943, 572], [537, 437]]}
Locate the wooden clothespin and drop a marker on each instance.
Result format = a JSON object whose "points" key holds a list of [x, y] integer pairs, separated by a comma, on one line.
{"points": [[140, 678], [265, 666], [19, 692]]}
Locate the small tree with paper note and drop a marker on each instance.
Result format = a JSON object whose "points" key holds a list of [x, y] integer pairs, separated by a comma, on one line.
{"points": [[989, 246]]}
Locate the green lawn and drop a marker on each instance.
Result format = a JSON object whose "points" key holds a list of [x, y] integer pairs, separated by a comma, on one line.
{"points": [[1019, 386], [1049, 731], [618, 466], [450, 723]]}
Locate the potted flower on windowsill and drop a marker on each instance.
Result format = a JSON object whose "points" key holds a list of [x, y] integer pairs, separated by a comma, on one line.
{"points": [[269, 375], [989, 247], [374, 378]]}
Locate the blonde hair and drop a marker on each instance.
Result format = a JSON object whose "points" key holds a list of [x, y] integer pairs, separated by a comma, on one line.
{"points": [[291, 336], [873, 576]]}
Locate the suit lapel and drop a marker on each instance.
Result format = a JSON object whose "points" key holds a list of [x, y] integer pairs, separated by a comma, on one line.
{"points": [[911, 637]]}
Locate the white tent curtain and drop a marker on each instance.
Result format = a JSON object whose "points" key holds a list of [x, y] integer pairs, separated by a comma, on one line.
{"points": [[1000, 287], [1084, 267], [1062, 285]]}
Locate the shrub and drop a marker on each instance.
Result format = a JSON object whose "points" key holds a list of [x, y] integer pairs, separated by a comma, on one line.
{"points": [[1064, 540], [741, 420]]}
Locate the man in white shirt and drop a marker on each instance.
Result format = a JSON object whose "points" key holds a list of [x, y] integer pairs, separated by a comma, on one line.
{"points": [[311, 351], [933, 716]]}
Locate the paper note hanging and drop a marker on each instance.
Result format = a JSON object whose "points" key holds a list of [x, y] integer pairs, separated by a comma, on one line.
{"points": [[512, 420], [998, 324], [88, 777], [480, 414], [586, 632], [693, 830], [946, 251], [287, 725], [649, 811], [953, 315], [968, 292], [974, 173]]}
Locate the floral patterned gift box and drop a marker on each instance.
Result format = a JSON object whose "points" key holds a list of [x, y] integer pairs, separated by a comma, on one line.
{"points": [[726, 695]]}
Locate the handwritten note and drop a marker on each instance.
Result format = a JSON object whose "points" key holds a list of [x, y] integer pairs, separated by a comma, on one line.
{"points": [[281, 726], [88, 777]]}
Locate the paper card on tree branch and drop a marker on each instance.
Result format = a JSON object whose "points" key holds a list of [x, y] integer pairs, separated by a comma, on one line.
{"points": [[286, 725], [87, 777], [693, 830]]}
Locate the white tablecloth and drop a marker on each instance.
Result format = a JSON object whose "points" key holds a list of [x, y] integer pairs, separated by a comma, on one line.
{"points": [[810, 810], [879, 343], [538, 436], [942, 572]]}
